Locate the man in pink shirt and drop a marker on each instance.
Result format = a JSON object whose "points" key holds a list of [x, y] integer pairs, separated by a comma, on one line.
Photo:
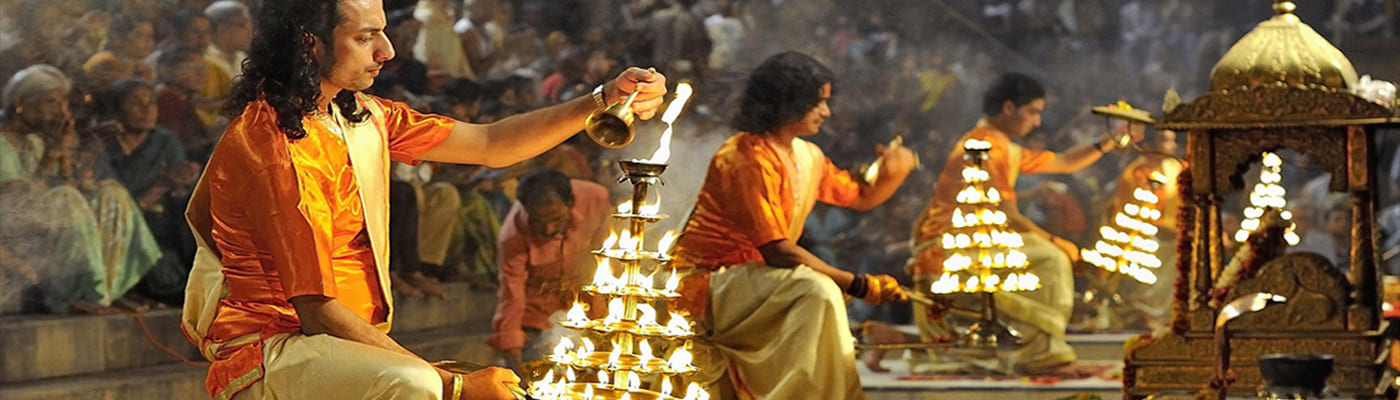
{"points": [[544, 257]]}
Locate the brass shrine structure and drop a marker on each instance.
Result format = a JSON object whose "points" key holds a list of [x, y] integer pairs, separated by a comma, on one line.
{"points": [[1282, 86]]}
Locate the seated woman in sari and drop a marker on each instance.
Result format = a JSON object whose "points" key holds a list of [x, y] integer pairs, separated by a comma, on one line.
{"points": [[149, 161], [85, 237]]}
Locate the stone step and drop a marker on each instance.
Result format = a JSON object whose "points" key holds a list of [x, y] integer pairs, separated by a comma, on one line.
{"points": [[1089, 346], [41, 347], [177, 381], [897, 385], [999, 393], [1099, 346]]}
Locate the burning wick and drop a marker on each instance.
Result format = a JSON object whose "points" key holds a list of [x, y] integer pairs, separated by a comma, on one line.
{"points": [[666, 241], [673, 282], [677, 325]]}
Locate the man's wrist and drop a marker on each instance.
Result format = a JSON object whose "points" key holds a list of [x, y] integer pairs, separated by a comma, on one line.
{"points": [[1099, 145], [599, 98], [860, 286]]}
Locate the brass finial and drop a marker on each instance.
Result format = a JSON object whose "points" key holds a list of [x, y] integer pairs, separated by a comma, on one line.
{"points": [[1284, 7]]}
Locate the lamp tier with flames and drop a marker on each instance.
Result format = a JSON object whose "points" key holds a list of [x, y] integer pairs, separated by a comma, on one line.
{"points": [[1128, 243], [983, 254], [646, 357], [1268, 193]]}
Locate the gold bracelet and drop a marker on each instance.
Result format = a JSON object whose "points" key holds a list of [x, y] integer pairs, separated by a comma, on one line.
{"points": [[456, 387]]}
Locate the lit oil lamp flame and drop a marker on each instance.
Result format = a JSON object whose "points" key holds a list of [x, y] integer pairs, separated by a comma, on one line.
{"points": [[1158, 177], [645, 356], [615, 311], [666, 240], [634, 381], [610, 241], [542, 385], [680, 360], [673, 111], [576, 316], [588, 392], [694, 392], [648, 315], [602, 278], [569, 375], [673, 282], [615, 357], [975, 144], [666, 386], [624, 208], [625, 396], [561, 351], [677, 325], [628, 243], [585, 349], [650, 209], [602, 377]]}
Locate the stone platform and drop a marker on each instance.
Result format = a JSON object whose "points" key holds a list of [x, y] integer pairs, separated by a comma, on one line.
{"points": [[1095, 350], [110, 357]]}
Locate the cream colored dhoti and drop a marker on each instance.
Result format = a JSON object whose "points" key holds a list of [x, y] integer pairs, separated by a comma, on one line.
{"points": [[300, 367], [777, 333], [1040, 316]]}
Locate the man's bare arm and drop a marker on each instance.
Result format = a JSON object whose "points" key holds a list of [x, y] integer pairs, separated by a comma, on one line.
{"points": [[520, 137], [1084, 155], [785, 253], [326, 315], [893, 170]]}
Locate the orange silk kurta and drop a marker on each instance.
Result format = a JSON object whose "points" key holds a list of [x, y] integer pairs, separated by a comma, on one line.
{"points": [[748, 199], [288, 221], [1007, 160]]}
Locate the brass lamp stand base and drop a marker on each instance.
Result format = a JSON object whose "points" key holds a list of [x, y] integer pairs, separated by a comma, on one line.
{"points": [[989, 332]]}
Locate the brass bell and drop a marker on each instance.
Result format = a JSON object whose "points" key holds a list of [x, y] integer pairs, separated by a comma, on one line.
{"points": [[611, 127]]}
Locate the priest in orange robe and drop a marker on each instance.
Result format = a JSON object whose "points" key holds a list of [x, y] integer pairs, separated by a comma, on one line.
{"points": [[1012, 107], [289, 295], [775, 312]]}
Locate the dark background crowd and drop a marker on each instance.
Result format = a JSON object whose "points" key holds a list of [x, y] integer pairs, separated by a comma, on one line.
{"points": [[146, 79]]}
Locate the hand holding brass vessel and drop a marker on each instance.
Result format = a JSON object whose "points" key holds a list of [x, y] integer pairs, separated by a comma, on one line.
{"points": [[611, 127]]}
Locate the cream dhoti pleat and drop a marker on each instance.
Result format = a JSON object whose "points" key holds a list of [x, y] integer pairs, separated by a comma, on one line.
{"points": [[777, 333], [1042, 314], [299, 367]]}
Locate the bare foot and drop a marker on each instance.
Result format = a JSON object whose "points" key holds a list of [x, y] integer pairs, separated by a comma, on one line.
{"points": [[399, 284], [879, 333], [132, 303], [425, 284], [91, 308]]}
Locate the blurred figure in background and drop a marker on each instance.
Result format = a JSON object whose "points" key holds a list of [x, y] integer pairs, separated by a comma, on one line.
{"points": [[545, 247]]}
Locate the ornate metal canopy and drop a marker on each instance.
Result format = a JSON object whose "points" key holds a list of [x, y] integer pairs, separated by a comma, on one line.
{"points": [[1281, 74]]}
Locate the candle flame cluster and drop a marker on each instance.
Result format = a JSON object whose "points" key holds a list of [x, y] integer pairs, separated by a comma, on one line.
{"points": [[1268, 193], [643, 353], [982, 254], [1128, 244]]}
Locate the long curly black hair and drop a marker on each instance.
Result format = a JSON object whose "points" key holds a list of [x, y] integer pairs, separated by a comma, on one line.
{"points": [[782, 89], [283, 67]]}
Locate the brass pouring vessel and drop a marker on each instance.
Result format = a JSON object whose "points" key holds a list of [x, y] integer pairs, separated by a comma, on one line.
{"points": [[611, 127]]}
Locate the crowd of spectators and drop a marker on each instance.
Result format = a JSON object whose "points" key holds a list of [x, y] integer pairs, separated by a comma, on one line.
{"points": [[111, 107]]}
